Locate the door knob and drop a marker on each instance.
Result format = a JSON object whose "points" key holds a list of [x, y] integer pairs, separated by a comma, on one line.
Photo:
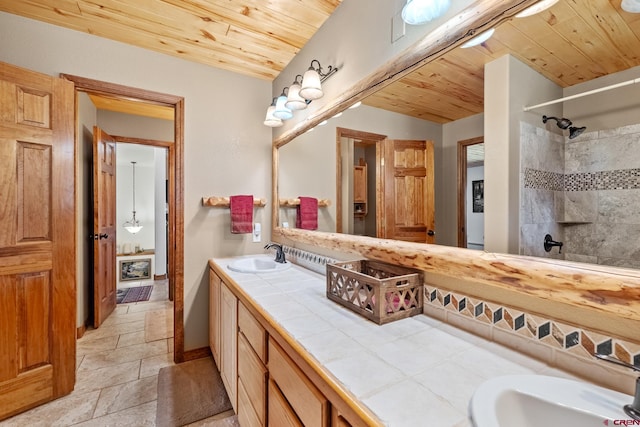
{"points": [[431, 233], [103, 235]]}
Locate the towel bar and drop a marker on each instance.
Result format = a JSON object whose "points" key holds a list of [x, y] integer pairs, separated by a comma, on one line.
{"points": [[292, 203], [223, 202]]}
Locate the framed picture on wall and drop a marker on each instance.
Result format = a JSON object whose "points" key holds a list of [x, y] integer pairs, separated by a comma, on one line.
{"points": [[477, 188], [135, 269]]}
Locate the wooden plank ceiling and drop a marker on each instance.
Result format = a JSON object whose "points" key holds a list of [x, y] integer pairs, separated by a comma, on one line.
{"points": [[253, 37], [572, 42]]}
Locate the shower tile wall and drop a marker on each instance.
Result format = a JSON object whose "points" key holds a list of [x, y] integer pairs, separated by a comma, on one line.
{"points": [[597, 203], [541, 183]]}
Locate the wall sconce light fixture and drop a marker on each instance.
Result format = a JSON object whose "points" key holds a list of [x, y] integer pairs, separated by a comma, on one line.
{"points": [[133, 225], [299, 94]]}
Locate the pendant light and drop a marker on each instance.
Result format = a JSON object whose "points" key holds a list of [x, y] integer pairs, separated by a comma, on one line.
{"points": [[133, 225]]}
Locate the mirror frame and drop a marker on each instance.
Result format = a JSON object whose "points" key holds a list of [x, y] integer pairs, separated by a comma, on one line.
{"points": [[600, 298]]}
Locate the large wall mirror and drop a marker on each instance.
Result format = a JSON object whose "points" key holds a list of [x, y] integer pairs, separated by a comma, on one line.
{"points": [[583, 191]]}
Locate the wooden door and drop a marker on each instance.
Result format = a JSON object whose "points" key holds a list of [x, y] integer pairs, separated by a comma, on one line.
{"points": [[409, 212], [104, 225], [37, 239]]}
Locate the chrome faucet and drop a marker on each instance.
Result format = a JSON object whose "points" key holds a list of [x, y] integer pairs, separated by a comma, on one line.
{"points": [[279, 252], [632, 410]]}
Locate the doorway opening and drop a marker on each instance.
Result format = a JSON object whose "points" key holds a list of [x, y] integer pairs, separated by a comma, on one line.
{"points": [[142, 100], [471, 193], [359, 182]]}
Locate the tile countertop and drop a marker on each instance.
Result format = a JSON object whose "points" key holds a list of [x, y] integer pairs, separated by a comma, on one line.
{"points": [[414, 371]]}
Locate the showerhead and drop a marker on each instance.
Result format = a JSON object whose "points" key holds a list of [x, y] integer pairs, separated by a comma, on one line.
{"points": [[565, 123], [574, 131], [562, 123]]}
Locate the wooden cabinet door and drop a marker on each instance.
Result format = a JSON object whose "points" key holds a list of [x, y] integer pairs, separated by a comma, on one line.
{"points": [[280, 413], [253, 375], [214, 316], [409, 205], [37, 239], [229, 343], [360, 184]]}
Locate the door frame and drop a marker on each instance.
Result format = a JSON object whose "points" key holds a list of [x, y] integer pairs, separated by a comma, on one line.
{"points": [[175, 173], [351, 133], [462, 187]]}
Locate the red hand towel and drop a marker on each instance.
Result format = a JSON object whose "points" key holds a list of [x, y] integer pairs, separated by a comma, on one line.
{"points": [[241, 214], [307, 213]]}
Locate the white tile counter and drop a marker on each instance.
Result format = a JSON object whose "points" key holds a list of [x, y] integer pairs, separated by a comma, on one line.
{"points": [[411, 372]]}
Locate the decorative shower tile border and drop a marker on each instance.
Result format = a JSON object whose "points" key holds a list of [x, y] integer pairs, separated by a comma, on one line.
{"points": [[314, 262], [554, 334], [621, 179]]}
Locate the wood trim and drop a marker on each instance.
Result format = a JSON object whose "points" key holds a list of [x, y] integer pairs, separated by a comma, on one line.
{"points": [[159, 276], [198, 353], [462, 187], [176, 187], [81, 330], [348, 133]]}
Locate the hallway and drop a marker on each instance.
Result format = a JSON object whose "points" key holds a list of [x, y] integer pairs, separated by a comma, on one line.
{"points": [[117, 369]]}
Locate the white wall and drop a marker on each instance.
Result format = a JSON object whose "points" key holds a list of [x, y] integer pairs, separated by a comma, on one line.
{"points": [[227, 148]]}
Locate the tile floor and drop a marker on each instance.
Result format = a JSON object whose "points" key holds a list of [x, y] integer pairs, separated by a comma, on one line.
{"points": [[117, 369]]}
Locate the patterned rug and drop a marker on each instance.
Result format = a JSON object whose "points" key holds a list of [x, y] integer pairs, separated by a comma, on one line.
{"points": [[135, 294]]}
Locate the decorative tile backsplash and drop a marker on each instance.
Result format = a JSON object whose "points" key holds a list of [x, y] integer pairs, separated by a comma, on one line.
{"points": [[576, 340], [313, 262], [623, 179]]}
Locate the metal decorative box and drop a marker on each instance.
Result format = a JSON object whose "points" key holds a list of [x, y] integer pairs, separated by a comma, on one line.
{"points": [[380, 292]]}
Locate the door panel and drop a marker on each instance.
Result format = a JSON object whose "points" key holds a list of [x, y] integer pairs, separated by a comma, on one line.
{"points": [[37, 239], [408, 191], [104, 229]]}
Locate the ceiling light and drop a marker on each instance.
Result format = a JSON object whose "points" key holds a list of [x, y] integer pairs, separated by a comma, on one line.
{"points": [[479, 39], [133, 225], [418, 12], [271, 120], [537, 8], [632, 6]]}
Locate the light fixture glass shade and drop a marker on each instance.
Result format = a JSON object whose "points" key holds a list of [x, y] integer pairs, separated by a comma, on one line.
{"points": [[632, 6], [311, 87], [537, 8], [271, 120], [133, 229], [281, 111], [294, 100], [479, 39], [418, 12]]}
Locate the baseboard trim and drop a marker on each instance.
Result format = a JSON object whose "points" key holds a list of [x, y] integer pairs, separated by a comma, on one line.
{"points": [[81, 330], [197, 353], [159, 276]]}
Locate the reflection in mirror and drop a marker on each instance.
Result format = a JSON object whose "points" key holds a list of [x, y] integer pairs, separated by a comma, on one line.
{"points": [[471, 193], [583, 191]]}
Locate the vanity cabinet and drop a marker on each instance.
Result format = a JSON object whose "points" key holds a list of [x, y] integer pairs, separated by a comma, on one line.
{"points": [[223, 334], [252, 373], [303, 398], [360, 190]]}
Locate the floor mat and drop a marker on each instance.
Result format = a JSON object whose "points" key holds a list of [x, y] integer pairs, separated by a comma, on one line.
{"points": [[189, 392], [135, 294]]}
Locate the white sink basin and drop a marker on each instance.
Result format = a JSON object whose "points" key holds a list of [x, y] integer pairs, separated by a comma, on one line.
{"points": [[257, 264], [542, 401]]}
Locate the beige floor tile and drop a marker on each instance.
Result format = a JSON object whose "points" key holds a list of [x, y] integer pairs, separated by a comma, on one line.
{"points": [[96, 346], [117, 329], [139, 416], [158, 324], [66, 411], [131, 338], [123, 354], [122, 396], [152, 365], [98, 378], [148, 306], [224, 419], [123, 318]]}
